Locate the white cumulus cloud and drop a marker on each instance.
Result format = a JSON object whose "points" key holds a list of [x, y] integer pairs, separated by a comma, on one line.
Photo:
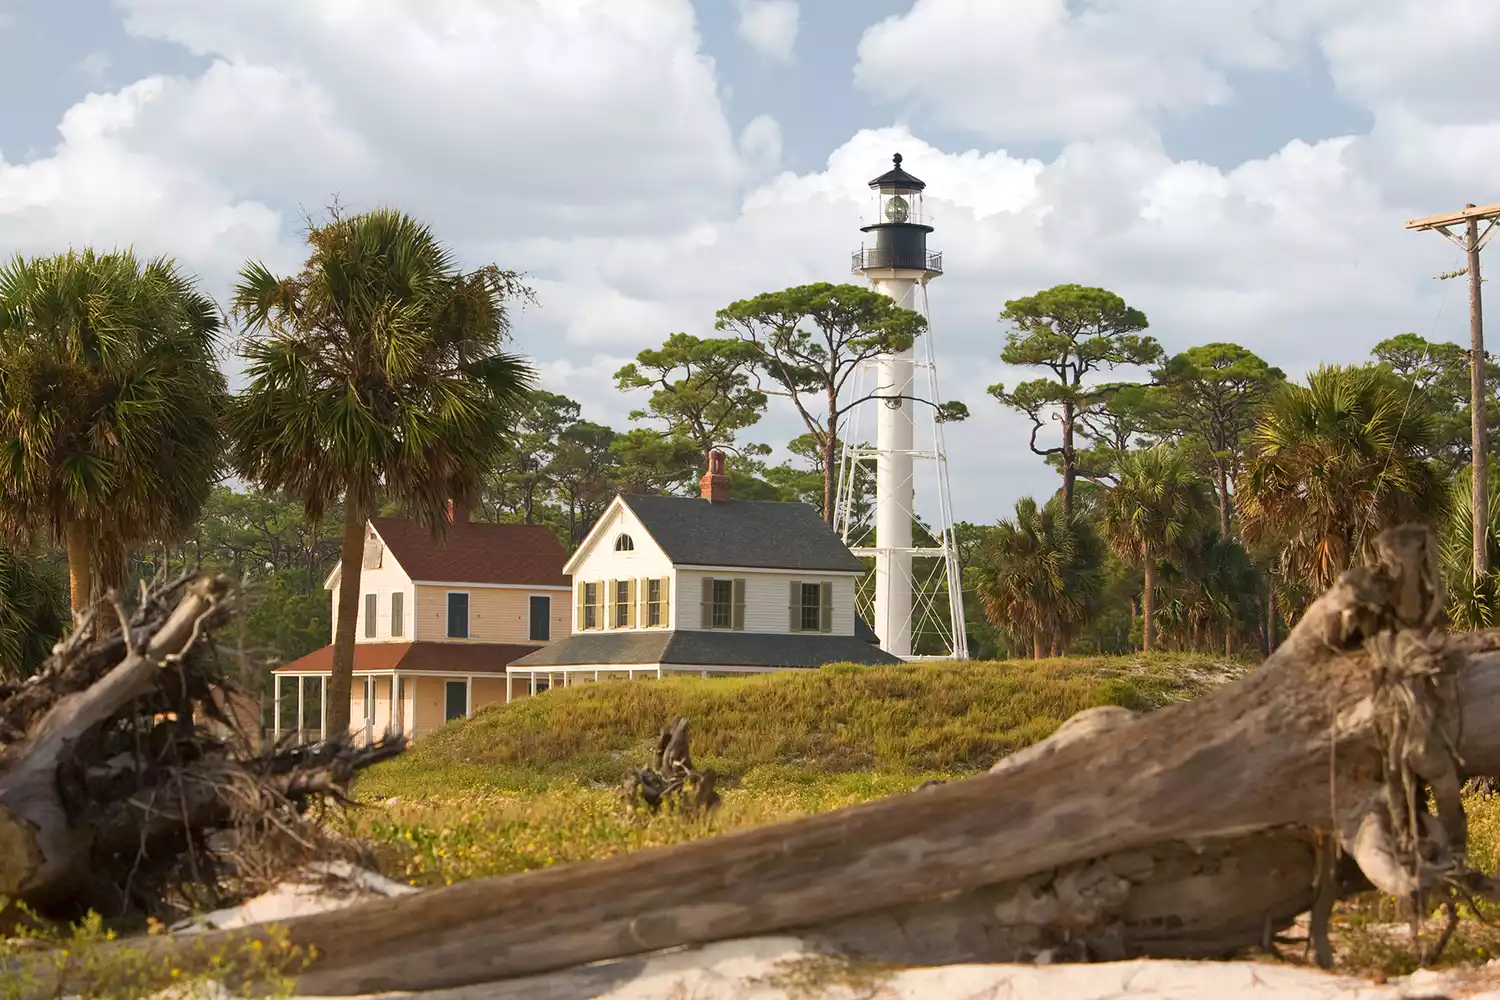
{"points": [[770, 26], [584, 142]]}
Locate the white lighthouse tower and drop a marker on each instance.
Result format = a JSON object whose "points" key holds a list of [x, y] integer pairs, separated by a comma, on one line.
{"points": [[916, 602]]}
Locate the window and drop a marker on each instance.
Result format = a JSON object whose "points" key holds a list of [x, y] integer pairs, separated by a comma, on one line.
{"points": [[398, 614], [590, 606], [624, 543], [370, 611], [455, 700], [458, 616], [811, 607], [653, 603], [723, 606], [541, 618], [811, 618], [369, 699], [622, 604]]}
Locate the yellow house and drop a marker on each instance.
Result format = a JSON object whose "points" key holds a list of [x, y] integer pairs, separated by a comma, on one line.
{"points": [[439, 623]]}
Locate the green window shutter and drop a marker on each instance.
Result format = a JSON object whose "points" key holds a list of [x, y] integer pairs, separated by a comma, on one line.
{"points": [[666, 602], [630, 604], [708, 602], [739, 605], [825, 608], [582, 620], [794, 607]]}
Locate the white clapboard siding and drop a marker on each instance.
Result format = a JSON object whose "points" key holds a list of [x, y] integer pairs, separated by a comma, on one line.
{"points": [[766, 599], [601, 563], [381, 581]]}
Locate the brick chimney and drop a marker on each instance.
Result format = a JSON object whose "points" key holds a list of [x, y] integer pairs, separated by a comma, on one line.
{"points": [[714, 486]]}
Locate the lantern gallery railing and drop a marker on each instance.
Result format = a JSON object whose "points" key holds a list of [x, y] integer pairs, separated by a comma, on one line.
{"points": [[867, 258]]}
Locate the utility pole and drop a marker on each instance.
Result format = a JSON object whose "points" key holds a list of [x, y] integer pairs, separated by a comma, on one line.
{"points": [[1471, 241]]}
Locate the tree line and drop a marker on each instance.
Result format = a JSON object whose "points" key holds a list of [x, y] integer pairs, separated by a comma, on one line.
{"points": [[377, 381], [1204, 505], [1202, 501]]}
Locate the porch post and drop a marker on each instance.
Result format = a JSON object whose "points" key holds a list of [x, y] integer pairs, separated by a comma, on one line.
{"points": [[533, 683], [596, 677], [275, 709], [469, 697], [301, 698], [322, 707], [398, 707], [658, 671]]}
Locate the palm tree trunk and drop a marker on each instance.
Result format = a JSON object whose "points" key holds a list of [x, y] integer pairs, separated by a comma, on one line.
{"points": [[1036, 644], [351, 562], [80, 565], [1148, 605]]}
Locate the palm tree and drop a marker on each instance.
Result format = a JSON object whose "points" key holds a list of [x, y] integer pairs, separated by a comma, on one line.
{"points": [[1471, 604], [375, 371], [1039, 574], [1214, 588], [1152, 513], [1334, 463], [110, 403], [33, 611]]}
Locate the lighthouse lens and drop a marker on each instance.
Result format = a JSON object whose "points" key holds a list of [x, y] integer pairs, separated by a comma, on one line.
{"points": [[896, 210]]}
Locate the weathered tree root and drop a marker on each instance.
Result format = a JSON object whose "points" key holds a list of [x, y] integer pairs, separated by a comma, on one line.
{"points": [[119, 789], [1190, 832], [671, 779]]}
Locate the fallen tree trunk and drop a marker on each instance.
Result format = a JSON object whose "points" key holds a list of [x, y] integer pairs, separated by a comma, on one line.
{"points": [[1193, 831]]}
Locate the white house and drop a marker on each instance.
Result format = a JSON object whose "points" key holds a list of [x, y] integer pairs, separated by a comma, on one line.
{"points": [[707, 585]]}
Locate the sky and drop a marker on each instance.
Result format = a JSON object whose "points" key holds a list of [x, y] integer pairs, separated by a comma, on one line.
{"points": [[1239, 170]]}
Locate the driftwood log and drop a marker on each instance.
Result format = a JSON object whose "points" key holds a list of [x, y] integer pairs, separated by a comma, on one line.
{"points": [[671, 780], [1195, 831], [119, 763]]}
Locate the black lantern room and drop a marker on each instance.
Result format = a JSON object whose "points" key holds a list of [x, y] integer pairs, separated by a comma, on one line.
{"points": [[900, 227]]}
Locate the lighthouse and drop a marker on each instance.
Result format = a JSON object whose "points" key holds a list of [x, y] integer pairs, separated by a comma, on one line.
{"points": [[917, 597]]}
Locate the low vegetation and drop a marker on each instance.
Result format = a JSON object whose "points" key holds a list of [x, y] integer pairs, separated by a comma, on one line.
{"points": [[534, 783]]}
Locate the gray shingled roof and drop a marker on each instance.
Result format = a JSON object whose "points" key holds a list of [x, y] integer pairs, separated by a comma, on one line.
{"points": [[759, 533], [707, 649]]}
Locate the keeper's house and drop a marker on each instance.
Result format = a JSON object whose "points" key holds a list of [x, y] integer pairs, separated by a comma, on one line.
{"points": [[439, 623], [707, 585]]}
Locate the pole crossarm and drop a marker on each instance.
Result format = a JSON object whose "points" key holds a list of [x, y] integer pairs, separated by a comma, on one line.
{"points": [[1479, 213]]}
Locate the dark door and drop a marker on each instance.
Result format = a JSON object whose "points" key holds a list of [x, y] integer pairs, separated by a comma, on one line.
{"points": [[456, 702]]}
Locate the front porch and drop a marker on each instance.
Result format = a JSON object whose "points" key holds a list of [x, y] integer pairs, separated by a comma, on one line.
{"points": [[423, 702]]}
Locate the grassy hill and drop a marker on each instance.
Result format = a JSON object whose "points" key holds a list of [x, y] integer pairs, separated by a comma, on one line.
{"points": [[917, 718]]}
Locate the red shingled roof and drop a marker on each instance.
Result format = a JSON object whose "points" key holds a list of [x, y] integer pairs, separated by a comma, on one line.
{"points": [[433, 657], [519, 554]]}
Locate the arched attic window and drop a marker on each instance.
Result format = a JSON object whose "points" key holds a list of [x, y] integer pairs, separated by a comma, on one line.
{"points": [[624, 543]]}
